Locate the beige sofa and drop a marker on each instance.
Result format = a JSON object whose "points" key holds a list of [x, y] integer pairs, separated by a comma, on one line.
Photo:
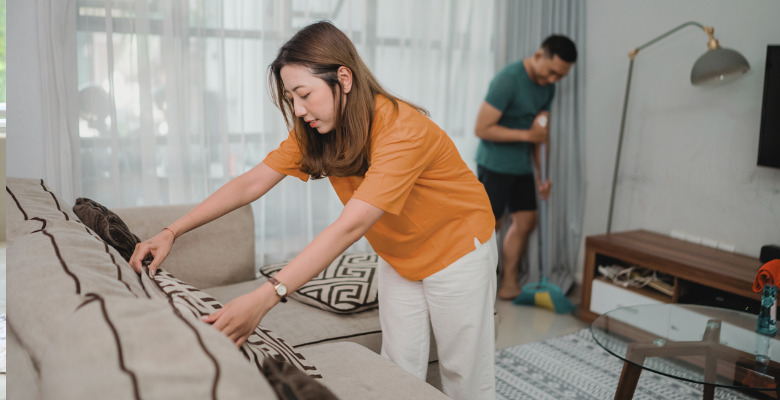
{"points": [[82, 324]]}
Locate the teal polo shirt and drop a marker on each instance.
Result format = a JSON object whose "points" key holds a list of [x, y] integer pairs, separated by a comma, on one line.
{"points": [[520, 99]]}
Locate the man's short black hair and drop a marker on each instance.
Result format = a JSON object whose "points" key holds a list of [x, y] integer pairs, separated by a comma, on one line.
{"points": [[561, 46]]}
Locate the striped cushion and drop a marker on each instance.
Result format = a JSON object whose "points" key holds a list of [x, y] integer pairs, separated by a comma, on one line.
{"points": [[89, 325], [115, 347], [53, 262], [191, 301], [347, 285]]}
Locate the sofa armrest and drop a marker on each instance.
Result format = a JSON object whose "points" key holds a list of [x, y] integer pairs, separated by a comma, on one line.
{"points": [[218, 253]]}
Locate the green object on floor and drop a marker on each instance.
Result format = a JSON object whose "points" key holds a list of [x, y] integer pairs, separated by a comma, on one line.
{"points": [[544, 294]]}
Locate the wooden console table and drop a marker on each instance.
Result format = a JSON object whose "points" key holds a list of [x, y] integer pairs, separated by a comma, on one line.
{"points": [[693, 267]]}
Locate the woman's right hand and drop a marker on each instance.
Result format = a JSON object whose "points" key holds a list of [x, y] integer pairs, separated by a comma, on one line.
{"points": [[158, 247]]}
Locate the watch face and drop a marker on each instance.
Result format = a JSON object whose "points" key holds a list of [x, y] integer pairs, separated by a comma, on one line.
{"points": [[281, 290]]}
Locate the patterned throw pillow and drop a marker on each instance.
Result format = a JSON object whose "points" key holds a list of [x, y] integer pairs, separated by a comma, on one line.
{"points": [[107, 225], [189, 300], [347, 285]]}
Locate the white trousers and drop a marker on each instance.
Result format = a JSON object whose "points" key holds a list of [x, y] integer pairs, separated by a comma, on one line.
{"points": [[458, 303]]}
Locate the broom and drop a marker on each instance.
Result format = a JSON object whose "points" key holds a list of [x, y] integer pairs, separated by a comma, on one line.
{"points": [[544, 294]]}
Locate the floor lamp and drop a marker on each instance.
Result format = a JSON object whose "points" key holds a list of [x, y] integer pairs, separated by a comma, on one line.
{"points": [[716, 65]]}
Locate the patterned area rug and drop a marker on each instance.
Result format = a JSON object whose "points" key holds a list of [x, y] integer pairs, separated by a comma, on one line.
{"points": [[576, 367]]}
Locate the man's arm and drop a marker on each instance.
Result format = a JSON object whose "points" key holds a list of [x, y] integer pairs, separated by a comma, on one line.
{"points": [[487, 128]]}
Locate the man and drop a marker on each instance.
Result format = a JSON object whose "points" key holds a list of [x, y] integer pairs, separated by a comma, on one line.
{"points": [[512, 124]]}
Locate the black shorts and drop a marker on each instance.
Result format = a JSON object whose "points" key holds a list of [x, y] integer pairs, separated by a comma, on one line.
{"points": [[507, 191]]}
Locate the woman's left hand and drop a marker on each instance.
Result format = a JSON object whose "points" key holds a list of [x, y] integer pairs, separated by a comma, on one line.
{"points": [[239, 317]]}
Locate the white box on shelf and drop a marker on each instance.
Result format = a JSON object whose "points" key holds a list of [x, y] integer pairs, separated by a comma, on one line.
{"points": [[606, 297]]}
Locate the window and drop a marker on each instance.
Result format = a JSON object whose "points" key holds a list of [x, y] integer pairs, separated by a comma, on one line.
{"points": [[178, 90], [174, 100]]}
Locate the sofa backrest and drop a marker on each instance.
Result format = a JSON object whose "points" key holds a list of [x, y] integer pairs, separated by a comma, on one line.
{"points": [[218, 253]]}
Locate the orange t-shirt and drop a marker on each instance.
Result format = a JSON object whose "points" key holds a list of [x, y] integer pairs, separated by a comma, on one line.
{"points": [[434, 205]]}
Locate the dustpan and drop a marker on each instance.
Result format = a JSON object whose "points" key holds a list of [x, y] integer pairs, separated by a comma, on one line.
{"points": [[544, 294]]}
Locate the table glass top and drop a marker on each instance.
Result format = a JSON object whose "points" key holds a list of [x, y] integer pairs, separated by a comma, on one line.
{"points": [[699, 344]]}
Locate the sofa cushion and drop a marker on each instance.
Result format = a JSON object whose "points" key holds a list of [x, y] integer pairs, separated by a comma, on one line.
{"points": [[107, 225], [347, 285], [351, 371], [24, 375], [261, 344], [301, 325], [28, 199], [139, 348], [58, 260]]}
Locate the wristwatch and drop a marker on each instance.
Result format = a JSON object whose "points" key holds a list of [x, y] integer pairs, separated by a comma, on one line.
{"points": [[279, 288]]}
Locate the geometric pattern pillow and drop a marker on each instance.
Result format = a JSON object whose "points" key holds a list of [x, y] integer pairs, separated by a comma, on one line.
{"points": [[347, 285], [190, 301]]}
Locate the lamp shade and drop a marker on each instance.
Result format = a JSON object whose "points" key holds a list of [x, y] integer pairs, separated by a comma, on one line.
{"points": [[718, 65]]}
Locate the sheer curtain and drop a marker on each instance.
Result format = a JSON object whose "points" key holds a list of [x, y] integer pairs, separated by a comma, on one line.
{"points": [[173, 99], [521, 28], [57, 51]]}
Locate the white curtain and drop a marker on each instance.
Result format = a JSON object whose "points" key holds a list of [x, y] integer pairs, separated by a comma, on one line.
{"points": [[173, 98], [522, 25], [57, 56]]}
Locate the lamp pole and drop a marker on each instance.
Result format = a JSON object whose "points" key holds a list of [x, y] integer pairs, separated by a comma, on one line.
{"points": [[631, 55]]}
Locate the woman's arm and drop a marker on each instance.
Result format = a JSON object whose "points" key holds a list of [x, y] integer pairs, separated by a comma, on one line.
{"points": [[236, 193], [238, 319]]}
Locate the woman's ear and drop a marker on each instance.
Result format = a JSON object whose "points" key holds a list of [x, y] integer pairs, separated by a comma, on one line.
{"points": [[345, 78]]}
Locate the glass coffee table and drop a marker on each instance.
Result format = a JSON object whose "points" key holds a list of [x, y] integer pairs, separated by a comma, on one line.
{"points": [[711, 346]]}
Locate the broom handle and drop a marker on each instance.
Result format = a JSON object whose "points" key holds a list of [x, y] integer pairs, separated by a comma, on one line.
{"points": [[543, 214]]}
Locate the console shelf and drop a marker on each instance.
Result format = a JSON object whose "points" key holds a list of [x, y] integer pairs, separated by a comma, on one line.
{"points": [[701, 274]]}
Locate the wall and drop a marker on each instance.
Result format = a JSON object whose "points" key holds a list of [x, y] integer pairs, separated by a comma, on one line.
{"points": [[689, 156]]}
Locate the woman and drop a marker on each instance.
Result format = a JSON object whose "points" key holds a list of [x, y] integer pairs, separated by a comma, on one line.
{"points": [[403, 185]]}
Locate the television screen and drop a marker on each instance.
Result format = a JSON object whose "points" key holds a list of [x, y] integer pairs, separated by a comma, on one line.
{"points": [[769, 136]]}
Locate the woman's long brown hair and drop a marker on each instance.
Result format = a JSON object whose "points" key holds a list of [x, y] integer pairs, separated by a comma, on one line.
{"points": [[322, 48]]}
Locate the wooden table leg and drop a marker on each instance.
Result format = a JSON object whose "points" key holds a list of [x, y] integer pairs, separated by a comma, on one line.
{"points": [[709, 392], [711, 336], [629, 378]]}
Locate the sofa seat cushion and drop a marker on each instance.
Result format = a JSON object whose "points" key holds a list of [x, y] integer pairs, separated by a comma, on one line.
{"points": [[348, 285], [119, 348], [351, 371], [302, 325]]}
